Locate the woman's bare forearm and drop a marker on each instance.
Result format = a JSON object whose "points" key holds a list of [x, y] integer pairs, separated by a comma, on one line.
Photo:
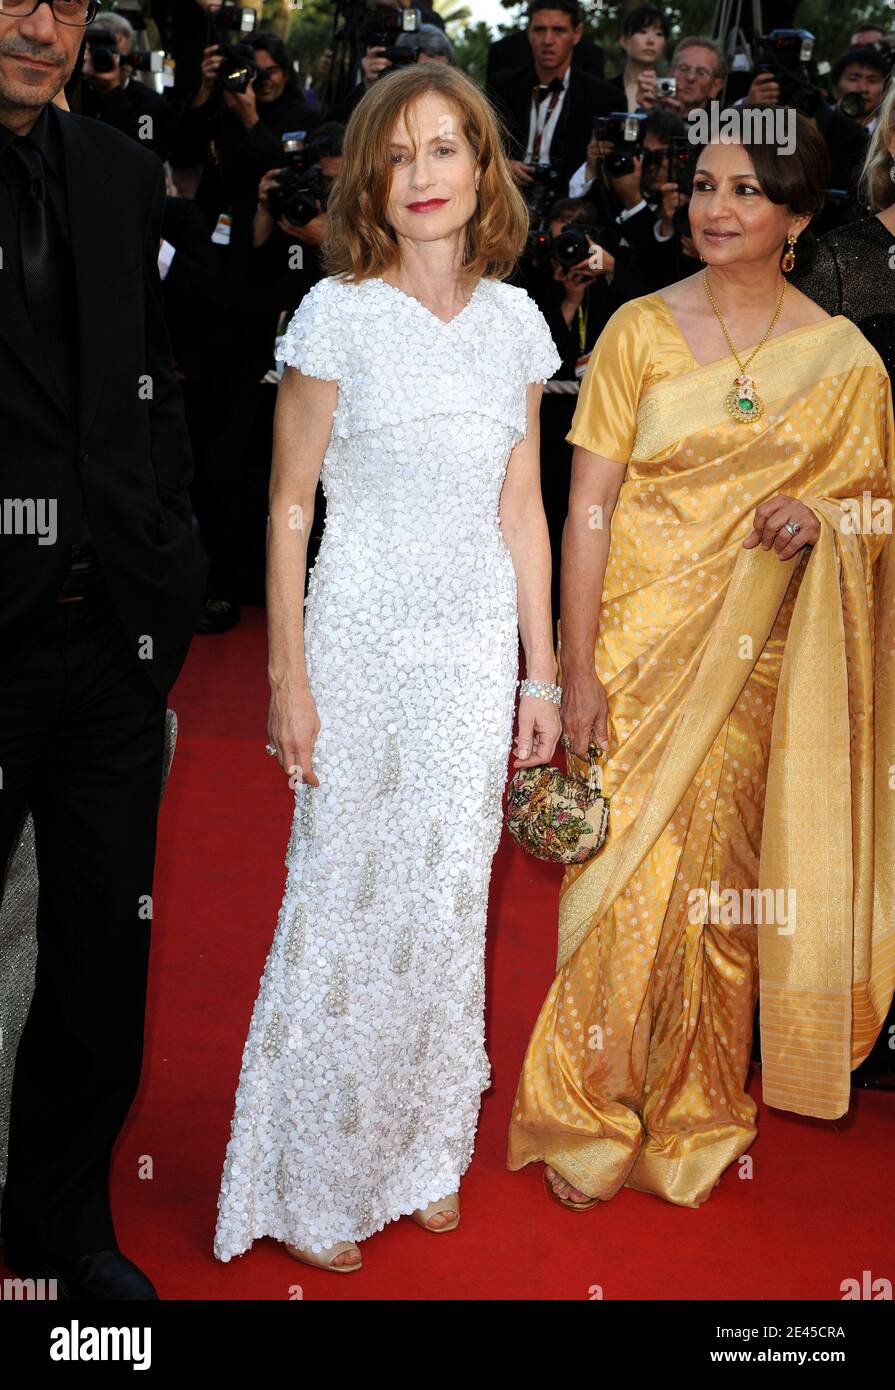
{"points": [[528, 542], [585, 552], [301, 433], [287, 559]]}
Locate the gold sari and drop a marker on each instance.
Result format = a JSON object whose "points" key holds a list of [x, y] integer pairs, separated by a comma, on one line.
{"points": [[751, 747]]}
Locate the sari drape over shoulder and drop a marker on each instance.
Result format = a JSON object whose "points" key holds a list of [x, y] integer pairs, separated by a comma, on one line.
{"points": [[751, 748]]}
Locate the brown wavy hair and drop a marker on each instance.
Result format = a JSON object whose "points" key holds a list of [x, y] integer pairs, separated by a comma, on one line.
{"points": [[359, 240]]}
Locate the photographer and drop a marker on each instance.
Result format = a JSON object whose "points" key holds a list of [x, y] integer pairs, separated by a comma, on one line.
{"points": [[273, 262], [629, 181], [290, 214], [654, 197], [183, 29], [548, 105], [858, 80], [513, 50], [427, 44], [644, 34], [786, 75], [247, 99], [577, 285], [698, 69], [111, 93]]}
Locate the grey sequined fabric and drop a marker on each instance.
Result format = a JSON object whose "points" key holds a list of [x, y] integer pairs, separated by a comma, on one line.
{"points": [[852, 275], [18, 947]]}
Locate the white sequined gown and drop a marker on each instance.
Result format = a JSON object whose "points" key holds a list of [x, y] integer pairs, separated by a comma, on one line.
{"points": [[359, 1093]]}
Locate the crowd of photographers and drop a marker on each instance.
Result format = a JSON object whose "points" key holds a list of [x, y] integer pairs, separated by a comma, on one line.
{"points": [[603, 161]]}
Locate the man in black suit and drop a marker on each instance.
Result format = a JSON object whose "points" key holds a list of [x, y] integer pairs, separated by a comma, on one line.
{"points": [[101, 583], [513, 50], [548, 106]]}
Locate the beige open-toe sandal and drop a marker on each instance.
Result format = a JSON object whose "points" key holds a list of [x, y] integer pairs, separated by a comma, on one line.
{"points": [[566, 1202], [449, 1205], [325, 1258]]}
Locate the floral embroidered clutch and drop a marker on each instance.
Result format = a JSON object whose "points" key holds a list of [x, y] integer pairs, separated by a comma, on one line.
{"points": [[558, 816]]}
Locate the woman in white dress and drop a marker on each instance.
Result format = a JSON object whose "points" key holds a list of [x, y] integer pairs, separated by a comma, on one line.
{"points": [[413, 381]]}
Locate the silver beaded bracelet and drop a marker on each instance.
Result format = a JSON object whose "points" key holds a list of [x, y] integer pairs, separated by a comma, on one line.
{"points": [[541, 690]]}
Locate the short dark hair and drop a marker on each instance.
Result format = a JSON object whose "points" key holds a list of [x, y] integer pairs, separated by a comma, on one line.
{"points": [[573, 210], [868, 55], [643, 17], [569, 7], [272, 44], [664, 123], [798, 181]]}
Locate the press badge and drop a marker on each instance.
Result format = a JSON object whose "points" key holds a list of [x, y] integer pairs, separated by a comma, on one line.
{"points": [[581, 365]]}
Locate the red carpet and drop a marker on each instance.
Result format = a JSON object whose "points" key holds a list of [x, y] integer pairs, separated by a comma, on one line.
{"points": [[817, 1210]]}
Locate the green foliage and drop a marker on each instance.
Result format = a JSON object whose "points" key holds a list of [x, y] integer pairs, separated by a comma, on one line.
{"points": [[310, 32], [471, 51]]}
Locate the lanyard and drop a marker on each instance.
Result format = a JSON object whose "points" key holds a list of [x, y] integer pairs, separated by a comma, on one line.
{"points": [[542, 116], [582, 327]]}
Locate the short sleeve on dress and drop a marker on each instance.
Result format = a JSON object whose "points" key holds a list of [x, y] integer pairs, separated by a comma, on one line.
{"points": [[312, 338], [541, 357], [605, 419]]}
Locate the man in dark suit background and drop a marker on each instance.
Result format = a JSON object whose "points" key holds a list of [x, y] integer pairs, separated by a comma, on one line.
{"points": [[513, 50], [548, 106], [101, 584]]}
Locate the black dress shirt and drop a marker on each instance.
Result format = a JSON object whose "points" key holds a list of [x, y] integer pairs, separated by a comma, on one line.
{"points": [[45, 136]]}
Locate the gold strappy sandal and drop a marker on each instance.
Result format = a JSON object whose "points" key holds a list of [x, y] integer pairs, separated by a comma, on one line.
{"points": [[325, 1258], [448, 1205], [567, 1201]]}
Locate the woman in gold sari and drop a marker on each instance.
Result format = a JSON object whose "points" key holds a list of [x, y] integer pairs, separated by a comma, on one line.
{"points": [[739, 670]]}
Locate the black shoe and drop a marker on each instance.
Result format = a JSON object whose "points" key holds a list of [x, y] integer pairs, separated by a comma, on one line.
{"points": [[218, 615], [106, 1274]]}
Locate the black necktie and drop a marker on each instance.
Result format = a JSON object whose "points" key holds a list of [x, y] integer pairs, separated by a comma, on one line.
{"points": [[47, 268]]}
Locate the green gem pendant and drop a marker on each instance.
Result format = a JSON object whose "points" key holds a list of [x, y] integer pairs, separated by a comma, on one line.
{"points": [[743, 402]]}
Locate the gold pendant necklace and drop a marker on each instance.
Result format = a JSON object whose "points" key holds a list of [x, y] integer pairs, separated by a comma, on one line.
{"points": [[743, 402]]}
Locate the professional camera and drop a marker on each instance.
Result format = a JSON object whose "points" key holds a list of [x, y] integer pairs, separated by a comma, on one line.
{"points": [[240, 19], [787, 55], [622, 129], [852, 104], [382, 28], [238, 69], [299, 193], [145, 59], [571, 246], [104, 52], [542, 191], [682, 157]]}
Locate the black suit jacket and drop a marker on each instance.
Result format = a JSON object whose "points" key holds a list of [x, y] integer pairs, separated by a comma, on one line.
{"points": [[129, 448], [586, 97]]}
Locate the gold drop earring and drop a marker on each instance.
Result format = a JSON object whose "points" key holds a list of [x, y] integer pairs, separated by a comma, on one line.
{"points": [[789, 258]]}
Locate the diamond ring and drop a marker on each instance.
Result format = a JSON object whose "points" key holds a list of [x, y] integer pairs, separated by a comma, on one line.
{"points": [[269, 748], [791, 527]]}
